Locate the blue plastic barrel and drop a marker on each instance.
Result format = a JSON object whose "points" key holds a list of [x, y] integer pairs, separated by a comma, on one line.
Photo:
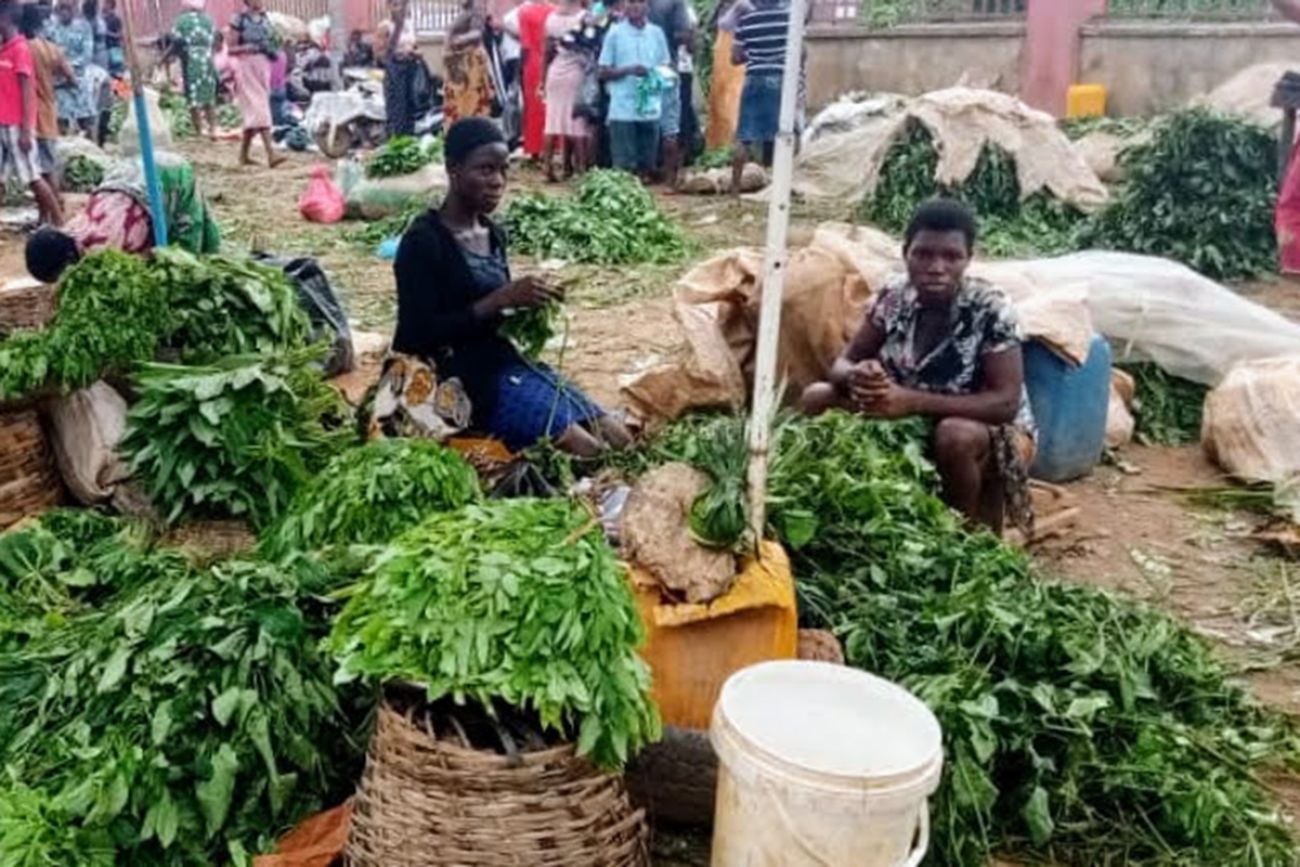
{"points": [[1070, 405]]}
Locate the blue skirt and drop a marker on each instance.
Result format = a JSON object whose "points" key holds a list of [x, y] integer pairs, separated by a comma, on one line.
{"points": [[533, 402], [760, 109]]}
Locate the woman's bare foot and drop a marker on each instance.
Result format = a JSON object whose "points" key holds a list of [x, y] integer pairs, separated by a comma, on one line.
{"points": [[275, 161], [246, 161]]}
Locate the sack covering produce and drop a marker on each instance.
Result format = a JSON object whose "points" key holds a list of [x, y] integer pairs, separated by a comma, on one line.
{"points": [[846, 165], [86, 427], [322, 201], [1252, 421]]}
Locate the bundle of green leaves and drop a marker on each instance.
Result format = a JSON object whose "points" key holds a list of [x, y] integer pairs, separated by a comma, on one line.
{"points": [[1079, 727], [225, 306], [111, 313], [237, 437], [160, 714], [401, 155], [532, 328], [177, 111], [371, 494], [1200, 191], [1167, 409], [610, 220], [81, 174], [521, 601], [1009, 226]]}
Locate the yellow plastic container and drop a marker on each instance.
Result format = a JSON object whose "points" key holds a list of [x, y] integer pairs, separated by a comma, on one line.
{"points": [[692, 649], [1086, 100]]}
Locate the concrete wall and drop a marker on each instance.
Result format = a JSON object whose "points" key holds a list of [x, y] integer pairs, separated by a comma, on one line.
{"points": [[912, 59], [1149, 67]]}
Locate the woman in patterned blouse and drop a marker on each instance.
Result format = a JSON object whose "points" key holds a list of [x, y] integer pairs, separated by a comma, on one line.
{"points": [[940, 344]]}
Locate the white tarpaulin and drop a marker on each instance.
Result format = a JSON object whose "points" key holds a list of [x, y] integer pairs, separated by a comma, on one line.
{"points": [[1249, 93], [843, 160]]}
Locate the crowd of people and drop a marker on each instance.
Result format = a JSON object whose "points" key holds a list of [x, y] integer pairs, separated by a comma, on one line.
{"points": [[578, 83]]}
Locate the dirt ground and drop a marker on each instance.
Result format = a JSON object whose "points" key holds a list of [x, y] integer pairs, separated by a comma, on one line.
{"points": [[1134, 534]]}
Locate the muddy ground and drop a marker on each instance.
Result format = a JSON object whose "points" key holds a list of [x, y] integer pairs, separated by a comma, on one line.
{"points": [[1134, 534]]}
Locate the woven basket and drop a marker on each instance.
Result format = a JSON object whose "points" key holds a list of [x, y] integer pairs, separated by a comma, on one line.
{"points": [[29, 483], [429, 802], [214, 538], [26, 305]]}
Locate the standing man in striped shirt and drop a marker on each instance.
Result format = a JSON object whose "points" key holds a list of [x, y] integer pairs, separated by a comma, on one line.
{"points": [[760, 45]]}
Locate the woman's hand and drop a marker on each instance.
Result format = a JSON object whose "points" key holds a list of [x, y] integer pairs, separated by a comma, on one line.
{"points": [[528, 291]]}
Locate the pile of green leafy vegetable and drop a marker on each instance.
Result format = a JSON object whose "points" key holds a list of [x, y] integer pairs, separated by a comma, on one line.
{"points": [[111, 314], [610, 220], [373, 493], [238, 437], [1201, 191], [1167, 409], [521, 601], [81, 174], [156, 713], [1009, 226], [1079, 727], [225, 306], [402, 155]]}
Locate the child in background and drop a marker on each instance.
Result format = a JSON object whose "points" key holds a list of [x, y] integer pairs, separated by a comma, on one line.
{"points": [[18, 154], [47, 63], [633, 49]]}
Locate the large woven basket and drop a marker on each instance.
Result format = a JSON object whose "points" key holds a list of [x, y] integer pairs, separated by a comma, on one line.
{"points": [[26, 305], [29, 483], [430, 802]]}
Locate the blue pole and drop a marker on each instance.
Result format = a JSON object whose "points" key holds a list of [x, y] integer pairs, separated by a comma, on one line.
{"points": [[154, 188]]}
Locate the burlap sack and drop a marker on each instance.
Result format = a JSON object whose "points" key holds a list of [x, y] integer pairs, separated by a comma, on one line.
{"points": [[85, 428], [1252, 420]]}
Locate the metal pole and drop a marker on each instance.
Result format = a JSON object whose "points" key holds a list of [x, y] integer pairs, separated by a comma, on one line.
{"points": [[774, 268], [154, 189]]}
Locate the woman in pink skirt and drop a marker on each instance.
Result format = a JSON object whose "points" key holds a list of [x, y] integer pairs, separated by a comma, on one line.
{"points": [[568, 63]]}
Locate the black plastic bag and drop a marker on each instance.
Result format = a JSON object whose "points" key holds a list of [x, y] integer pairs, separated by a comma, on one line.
{"points": [[323, 308]]}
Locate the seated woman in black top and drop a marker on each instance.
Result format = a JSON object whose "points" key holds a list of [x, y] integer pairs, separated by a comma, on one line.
{"points": [[453, 285]]}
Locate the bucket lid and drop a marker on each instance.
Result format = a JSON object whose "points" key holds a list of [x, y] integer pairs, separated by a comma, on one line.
{"points": [[831, 719]]}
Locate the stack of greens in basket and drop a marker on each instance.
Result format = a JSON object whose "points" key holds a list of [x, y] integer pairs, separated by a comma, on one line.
{"points": [[1079, 727], [152, 712], [116, 310], [112, 314], [610, 220], [520, 602]]}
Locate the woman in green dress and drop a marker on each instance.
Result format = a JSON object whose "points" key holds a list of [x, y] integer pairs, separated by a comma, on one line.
{"points": [[193, 36]]}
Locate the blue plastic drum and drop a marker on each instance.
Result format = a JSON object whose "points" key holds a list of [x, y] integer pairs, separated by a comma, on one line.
{"points": [[1070, 405]]}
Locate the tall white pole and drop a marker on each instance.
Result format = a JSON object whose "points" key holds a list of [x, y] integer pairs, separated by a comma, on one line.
{"points": [[774, 268]]}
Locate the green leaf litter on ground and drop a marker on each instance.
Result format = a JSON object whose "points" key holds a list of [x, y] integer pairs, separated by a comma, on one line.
{"points": [[1080, 727], [521, 601]]}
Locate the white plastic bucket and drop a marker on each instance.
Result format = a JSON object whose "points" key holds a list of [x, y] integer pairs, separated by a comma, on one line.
{"points": [[822, 765]]}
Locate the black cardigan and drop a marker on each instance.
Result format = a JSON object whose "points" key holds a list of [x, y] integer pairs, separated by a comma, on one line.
{"points": [[435, 319]]}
